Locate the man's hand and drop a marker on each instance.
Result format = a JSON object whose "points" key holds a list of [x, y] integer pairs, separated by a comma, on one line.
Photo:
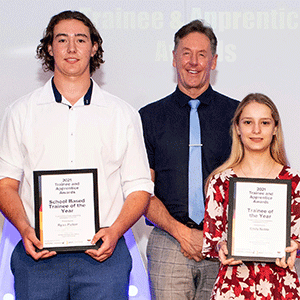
{"points": [[31, 242], [109, 238], [191, 241]]}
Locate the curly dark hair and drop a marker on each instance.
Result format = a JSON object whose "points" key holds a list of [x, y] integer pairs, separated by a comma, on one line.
{"points": [[42, 49], [197, 26]]}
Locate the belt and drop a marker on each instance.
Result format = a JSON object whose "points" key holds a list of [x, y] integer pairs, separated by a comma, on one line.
{"points": [[192, 224]]}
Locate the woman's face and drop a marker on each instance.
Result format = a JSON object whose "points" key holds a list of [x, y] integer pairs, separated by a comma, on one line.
{"points": [[256, 127]]}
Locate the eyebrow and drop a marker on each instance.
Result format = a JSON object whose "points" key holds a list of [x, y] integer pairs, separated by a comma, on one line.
{"points": [[76, 34], [264, 118], [187, 48]]}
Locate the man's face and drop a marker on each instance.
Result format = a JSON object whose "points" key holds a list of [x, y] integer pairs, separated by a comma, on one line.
{"points": [[72, 48], [193, 61]]}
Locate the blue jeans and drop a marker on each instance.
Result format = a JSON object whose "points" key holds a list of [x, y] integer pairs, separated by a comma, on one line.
{"points": [[71, 275]]}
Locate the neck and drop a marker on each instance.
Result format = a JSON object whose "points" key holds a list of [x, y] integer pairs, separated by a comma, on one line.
{"points": [[258, 165], [193, 92], [72, 88]]}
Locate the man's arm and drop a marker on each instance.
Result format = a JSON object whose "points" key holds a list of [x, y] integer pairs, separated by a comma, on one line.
{"points": [[12, 207], [190, 240], [133, 208]]}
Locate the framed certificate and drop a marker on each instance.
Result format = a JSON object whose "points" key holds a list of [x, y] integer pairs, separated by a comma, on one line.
{"points": [[66, 209], [259, 219]]}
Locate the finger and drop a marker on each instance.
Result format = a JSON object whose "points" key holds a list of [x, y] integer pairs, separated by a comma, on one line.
{"points": [[236, 262], [103, 250], [224, 249], [227, 261], [222, 255], [99, 235], [197, 258], [291, 260], [31, 250], [278, 262], [281, 262], [48, 254], [98, 257]]}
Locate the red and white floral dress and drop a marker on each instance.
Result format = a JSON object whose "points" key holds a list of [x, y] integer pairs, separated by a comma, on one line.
{"points": [[249, 280]]}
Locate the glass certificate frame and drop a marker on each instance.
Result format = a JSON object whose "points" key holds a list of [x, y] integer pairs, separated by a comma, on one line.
{"points": [[259, 219], [66, 209]]}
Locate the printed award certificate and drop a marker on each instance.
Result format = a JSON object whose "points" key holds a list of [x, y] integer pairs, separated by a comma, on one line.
{"points": [[259, 219], [66, 209]]}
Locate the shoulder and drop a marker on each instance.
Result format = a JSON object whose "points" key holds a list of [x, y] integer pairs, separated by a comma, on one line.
{"points": [[103, 98], [220, 180], [155, 114], [289, 173], [25, 102], [218, 185], [157, 107], [223, 176], [224, 100]]}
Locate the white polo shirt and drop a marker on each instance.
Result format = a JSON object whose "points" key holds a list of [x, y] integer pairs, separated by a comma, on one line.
{"points": [[37, 133]]}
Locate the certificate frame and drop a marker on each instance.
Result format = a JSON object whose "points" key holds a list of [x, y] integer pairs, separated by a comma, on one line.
{"points": [[84, 177], [253, 219]]}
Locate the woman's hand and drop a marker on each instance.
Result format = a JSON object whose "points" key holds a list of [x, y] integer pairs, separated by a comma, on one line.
{"points": [[291, 260], [223, 252]]}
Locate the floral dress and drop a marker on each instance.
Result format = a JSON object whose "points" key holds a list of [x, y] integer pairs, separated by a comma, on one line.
{"points": [[264, 281]]}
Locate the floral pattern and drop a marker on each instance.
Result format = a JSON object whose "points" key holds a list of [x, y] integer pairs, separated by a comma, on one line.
{"points": [[248, 281]]}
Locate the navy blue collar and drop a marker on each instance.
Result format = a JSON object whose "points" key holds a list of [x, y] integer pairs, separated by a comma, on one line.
{"points": [[86, 99], [183, 99]]}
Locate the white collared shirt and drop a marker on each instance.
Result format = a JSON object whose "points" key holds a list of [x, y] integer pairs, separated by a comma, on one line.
{"points": [[37, 133]]}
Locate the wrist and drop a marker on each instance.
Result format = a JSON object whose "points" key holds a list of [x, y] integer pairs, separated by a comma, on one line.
{"points": [[179, 231], [219, 245]]}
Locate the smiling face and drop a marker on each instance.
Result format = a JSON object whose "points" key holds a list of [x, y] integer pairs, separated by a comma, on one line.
{"points": [[193, 61], [256, 127], [72, 49]]}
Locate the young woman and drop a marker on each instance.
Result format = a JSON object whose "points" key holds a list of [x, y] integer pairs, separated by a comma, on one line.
{"points": [[257, 152]]}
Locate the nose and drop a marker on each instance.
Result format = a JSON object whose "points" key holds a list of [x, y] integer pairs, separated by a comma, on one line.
{"points": [[193, 60], [71, 46], [256, 128]]}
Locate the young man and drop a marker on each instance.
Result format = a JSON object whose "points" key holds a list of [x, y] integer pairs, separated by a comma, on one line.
{"points": [[176, 267], [71, 123]]}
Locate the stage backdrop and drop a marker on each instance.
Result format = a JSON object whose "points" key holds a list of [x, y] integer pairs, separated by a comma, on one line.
{"points": [[258, 52]]}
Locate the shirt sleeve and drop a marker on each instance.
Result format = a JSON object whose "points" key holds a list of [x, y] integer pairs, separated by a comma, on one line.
{"points": [[11, 156], [135, 169], [147, 133], [215, 219], [295, 209]]}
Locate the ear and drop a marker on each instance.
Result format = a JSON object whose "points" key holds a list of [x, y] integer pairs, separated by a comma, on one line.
{"points": [[174, 58], [214, 62], [50, 50], [237, 129], [94, 49], [275, 130]]}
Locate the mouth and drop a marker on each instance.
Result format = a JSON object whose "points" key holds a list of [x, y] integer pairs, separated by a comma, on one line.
{"points": [[193, 72], [71, 60], [256, 139]]}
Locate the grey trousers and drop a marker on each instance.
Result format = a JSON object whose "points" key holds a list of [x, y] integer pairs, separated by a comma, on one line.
{"points": [[172, 275]]}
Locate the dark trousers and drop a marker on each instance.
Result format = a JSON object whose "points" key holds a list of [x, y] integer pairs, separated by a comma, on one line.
{"points": [[74, 276]]}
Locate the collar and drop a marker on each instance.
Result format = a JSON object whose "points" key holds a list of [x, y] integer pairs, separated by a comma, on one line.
{"points": [[86, 99], [183, 99]]}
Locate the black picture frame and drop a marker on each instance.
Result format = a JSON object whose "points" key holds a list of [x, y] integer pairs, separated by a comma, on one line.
{"points": [[38, 202], [232, 211]]}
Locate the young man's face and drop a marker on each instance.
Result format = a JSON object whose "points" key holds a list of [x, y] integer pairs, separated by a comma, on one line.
{"points": [[72, 48], [193, 61]]}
